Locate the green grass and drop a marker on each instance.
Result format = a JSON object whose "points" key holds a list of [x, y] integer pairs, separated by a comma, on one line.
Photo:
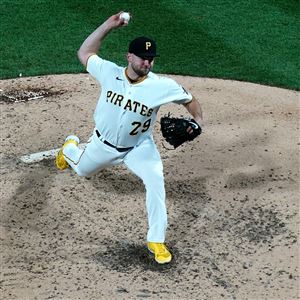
{"points": [[256, 41]]}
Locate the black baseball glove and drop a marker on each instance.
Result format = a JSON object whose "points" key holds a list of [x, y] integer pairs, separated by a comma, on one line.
{"points": [[174, 130]]}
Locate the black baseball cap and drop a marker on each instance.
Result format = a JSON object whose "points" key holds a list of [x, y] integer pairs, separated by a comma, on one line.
{"points": [[143, 47]]}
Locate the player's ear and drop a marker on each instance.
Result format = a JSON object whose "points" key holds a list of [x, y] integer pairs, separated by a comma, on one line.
{"points": [[129, 57]]}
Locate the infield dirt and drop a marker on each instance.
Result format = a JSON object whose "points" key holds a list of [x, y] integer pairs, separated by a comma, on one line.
{"points": [[232, 199]]}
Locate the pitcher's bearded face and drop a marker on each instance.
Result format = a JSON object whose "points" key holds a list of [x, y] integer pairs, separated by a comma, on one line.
{"points": [[141, 66]]}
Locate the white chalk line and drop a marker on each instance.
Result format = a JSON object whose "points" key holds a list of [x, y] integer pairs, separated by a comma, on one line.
{"points": [[39, 156]]}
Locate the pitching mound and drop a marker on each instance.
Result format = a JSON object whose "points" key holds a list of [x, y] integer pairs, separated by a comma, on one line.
{"points": [[232, 198]]}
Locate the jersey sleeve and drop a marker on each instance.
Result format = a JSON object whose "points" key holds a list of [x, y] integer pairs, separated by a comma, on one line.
{"points": [[99, 68], [178, 94]]}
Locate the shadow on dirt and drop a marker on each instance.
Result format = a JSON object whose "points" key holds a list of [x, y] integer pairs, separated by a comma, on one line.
{"points": [[262, 178], [124, 256], [189, 198], [30, 197]]}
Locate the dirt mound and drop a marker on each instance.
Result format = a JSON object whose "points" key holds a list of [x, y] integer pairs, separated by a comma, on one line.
{"points": [[232, 198]]}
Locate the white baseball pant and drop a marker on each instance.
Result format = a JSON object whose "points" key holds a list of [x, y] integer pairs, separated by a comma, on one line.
{"points": [[143, 160]]}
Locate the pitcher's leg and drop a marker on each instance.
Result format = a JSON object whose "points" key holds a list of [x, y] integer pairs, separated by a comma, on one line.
{"points": [[156, 209], [144, 160], [94, 157], [79, 160]]}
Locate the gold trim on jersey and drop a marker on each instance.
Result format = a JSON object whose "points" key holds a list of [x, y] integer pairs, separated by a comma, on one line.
{"points": [[139, 80]]}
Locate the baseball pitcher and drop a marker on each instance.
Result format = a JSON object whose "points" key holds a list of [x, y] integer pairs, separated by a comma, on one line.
{"points": [[124, 117]]}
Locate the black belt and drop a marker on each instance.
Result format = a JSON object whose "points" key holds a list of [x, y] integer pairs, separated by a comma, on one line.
{"points": [[109, 144]]}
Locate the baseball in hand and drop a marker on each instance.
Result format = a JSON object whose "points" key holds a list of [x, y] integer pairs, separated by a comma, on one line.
{"points": [[125, 16]]}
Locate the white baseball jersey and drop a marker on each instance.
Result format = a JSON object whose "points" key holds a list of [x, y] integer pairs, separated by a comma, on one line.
{"points": [[125, 112]]}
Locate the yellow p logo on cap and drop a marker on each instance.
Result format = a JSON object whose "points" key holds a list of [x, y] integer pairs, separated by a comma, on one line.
{"points": [[148, 45]]}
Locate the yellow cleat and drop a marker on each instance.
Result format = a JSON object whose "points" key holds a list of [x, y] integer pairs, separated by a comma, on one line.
{"points": [[60, 160], [161, 253]]}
